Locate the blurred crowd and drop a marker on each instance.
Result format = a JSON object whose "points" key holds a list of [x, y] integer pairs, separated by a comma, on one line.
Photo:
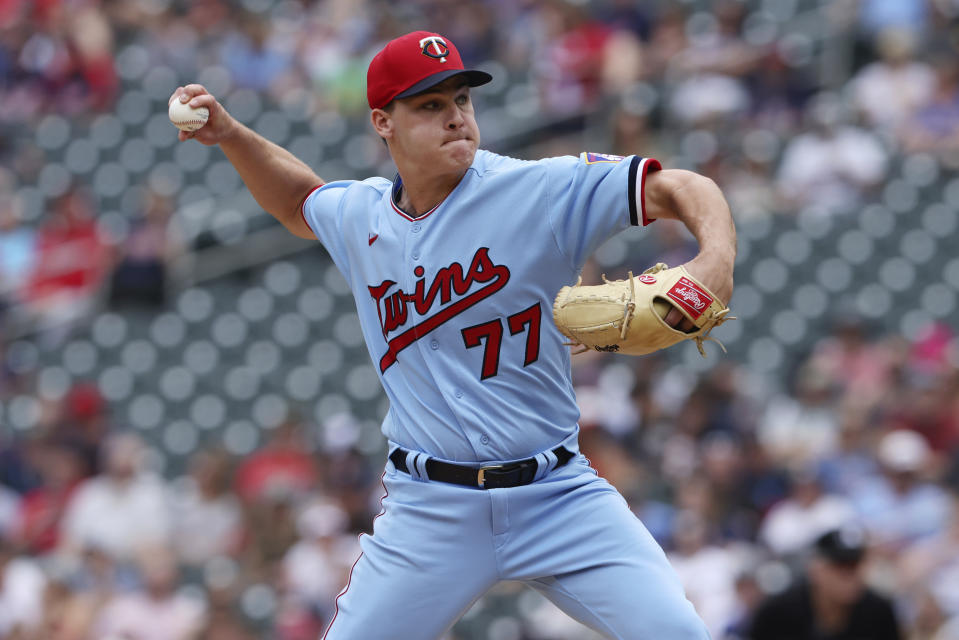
{"points": [[55, 275], [841, 477], [846, 482], [739, 479], [94, 544], [791, 108]]}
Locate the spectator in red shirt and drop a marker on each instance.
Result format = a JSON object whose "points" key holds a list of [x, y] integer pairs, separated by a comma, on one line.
{"points": [[84, 424], [72, 260], [41, 509], [571, 69], [281, 468]]}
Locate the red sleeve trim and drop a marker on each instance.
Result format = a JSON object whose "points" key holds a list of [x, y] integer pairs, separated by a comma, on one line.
{"points": [[303, 202], [648, 164]]}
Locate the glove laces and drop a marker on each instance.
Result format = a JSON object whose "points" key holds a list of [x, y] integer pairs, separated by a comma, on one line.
{"points": [[720, 317]]}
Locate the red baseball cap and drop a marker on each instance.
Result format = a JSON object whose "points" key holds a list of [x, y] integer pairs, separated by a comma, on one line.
{"points": [[413, 63]]}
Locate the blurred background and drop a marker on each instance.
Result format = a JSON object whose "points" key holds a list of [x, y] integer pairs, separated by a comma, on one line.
{"points": [[189, 421]]}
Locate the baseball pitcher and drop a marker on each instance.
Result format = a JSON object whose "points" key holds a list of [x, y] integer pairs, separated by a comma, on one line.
{"points": [[455, 265]]}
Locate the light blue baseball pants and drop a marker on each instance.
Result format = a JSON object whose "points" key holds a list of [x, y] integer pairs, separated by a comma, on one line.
{"points": [[437, 547]]}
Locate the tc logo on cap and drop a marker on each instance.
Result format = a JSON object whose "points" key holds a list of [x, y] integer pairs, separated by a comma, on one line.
{"points": [[435, 47], [413, 63]]}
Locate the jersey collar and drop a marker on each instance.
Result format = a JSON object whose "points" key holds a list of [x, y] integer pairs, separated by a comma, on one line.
{"points": [[395, 197]]}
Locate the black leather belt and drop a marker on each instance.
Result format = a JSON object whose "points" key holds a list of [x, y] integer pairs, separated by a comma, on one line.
{"points": [[497, 476]]}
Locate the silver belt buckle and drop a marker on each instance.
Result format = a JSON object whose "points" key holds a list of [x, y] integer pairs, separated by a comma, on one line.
{"points": [[481, 474]]}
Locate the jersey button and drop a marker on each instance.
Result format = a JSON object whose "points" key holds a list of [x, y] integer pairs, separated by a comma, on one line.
{"points": [[416, 228], [434, 345], [416, 255], [484, 439], [458, 393]]}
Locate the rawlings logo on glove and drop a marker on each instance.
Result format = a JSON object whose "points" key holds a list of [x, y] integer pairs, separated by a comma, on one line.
{"points": [[611, 317]]}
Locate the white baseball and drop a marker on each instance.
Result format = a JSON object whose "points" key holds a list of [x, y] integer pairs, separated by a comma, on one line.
{"points": [[187, 118]]}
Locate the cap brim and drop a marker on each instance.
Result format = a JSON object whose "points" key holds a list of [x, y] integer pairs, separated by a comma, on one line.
{"points": [[473, 77], [844, 557]]}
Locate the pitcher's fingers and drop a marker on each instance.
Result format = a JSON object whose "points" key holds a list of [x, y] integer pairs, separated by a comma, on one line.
{"points": [[194, 90], [205, 100], [176, 94], [678, 321], [673, 317]]}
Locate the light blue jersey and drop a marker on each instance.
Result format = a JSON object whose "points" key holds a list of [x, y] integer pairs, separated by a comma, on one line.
{"points": [[456, 309], [456, 305]]}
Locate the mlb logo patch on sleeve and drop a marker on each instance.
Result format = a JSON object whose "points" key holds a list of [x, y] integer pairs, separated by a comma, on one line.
{"points": [[593, 158]]}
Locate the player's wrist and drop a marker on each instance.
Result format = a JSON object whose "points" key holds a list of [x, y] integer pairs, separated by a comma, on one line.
{"points": [[232, 130], [717, 258]]}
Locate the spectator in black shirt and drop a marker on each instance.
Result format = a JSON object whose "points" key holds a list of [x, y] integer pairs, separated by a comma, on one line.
{"points": [[831, 602]]}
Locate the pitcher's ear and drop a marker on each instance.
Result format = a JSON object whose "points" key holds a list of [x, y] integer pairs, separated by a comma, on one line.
{"points": [[382, 121]]}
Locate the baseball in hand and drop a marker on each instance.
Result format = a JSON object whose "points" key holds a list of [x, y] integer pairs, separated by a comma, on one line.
{"points": [[187, 118]]}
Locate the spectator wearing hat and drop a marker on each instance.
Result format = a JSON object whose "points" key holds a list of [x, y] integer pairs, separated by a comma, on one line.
{"points": [[806, 513], [120, 510], [899, 506], [831, 601]]}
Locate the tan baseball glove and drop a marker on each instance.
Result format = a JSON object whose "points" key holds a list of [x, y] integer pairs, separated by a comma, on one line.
{"points": [[627, 316]]}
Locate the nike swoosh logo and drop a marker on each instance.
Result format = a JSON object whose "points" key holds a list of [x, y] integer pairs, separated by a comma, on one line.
{"points": [[373, 238]]}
